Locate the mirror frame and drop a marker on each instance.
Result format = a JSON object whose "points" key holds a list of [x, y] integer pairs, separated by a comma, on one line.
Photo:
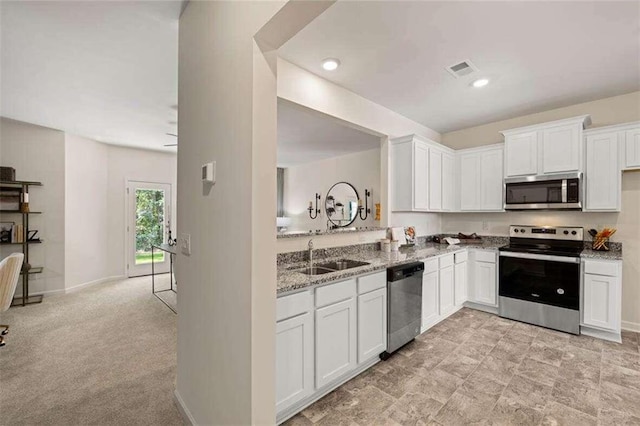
{"points": [[336, 226]]}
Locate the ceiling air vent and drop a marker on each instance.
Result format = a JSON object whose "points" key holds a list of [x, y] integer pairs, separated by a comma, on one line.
{"points": [[461, 69]]}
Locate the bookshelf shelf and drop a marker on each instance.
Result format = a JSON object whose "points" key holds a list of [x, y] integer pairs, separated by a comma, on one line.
{"points": [[17, 212]]}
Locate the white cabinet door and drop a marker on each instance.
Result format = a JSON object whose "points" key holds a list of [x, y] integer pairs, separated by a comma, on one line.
{"points": [[601, 302], [336, 341], [491, 182], [485, 283], [372, 324], [461, 283], [421, 177], [430, 302], [561, 148], [435, 180], [632, 148], [448, 191], [446, 284], [602, 176], [521, 154], [469, 182], [294, 360]]}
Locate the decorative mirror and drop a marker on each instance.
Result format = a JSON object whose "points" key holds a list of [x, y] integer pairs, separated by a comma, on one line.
{"points": [[341, 204]]}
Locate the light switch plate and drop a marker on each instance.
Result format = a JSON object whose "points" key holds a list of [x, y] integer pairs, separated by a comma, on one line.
{"points": [[185, 244]]}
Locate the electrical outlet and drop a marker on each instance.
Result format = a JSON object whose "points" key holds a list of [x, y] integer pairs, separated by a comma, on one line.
{"points": [[185, 244], [485, 225]]}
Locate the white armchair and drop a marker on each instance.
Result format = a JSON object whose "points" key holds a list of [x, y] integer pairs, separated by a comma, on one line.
{"points": [[9, 274]]}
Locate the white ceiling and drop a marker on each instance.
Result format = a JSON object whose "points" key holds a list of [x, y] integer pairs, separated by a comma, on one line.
{"points": [[107, 70], [305, 136], [538, 55]]}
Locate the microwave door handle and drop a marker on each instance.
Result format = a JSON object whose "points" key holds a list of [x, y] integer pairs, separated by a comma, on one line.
{"points": [[564, 191]]}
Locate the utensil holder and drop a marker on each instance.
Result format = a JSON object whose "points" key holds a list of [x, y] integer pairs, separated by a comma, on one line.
{"points": [[601, 244]]}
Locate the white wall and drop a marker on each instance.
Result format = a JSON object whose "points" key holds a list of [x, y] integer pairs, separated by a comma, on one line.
{"points": [[37, 153], [360, 169], [86, 211], [140, 165], [608, 111]]}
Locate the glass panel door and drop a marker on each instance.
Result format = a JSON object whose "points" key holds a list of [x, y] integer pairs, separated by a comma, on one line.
{"points": [[149, 218]]}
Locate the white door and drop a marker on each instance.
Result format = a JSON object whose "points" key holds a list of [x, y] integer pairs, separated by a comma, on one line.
{"points": [[561, 148], [372, 324], [435, 180], [430, 302], [485, 283], [448, 191], [522, 154], [336, 341], [447, 298], [632, 148], [460, 277], [603, 174], [148, 222], [420, 177], [294, 360], [600, 299], [491, 183], [470, 182]]}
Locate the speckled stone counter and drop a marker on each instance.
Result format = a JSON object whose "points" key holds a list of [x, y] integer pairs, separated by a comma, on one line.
{"points": [[310, 233], [290, 281], [588, 253]]}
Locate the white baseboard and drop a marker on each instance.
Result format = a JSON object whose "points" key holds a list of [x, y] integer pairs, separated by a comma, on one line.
{"points": [[94, 282], [611, 336], [184, 411], [631, 326]]}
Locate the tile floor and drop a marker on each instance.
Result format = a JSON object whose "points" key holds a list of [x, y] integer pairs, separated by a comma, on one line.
{"points": [[477, 368]]}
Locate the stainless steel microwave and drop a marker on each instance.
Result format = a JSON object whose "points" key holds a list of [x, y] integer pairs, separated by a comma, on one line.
{"points": [[551, 192]]}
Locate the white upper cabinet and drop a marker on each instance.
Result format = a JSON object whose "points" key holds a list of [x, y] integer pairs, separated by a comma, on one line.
{"points": [[602, 174], [632, 148], [422, 175], [521, 152], [435, 180], [546, 148], [481, 182], [562, 148]]}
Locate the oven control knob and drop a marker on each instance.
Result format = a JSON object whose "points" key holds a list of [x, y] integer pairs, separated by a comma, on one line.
{"points": [[560, 291], [573, 232], [566, 232], [522, 230], [517, 230]]}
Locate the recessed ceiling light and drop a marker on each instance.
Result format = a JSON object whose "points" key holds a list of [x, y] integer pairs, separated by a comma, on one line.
{"points": [[481, 82], [330, 64]]}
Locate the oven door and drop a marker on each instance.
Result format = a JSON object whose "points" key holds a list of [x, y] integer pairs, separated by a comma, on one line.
{"points": [[552, 280]]}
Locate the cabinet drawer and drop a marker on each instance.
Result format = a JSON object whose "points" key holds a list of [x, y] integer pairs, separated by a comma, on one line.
{"points": [[430, 265], [485, 256], [335, 293], [461, 257], [595, 267], [372, 282], [446, 260], [295, 304]]}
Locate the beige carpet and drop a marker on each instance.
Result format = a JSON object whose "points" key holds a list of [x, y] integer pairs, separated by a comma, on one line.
{"points": [[103, 355]]}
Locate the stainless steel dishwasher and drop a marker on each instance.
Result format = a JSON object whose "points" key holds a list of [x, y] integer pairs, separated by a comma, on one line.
{"points": [[404, 305]]}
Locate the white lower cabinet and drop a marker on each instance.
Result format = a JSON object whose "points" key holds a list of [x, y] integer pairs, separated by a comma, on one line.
{"points": [[294, 360], [602, 295], [372, 324], [447, 298], [483, 281], [430, 301], [461, 283], [336, 340]]}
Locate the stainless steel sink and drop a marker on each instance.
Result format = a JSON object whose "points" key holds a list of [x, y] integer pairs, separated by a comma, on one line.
{"points": [[335, 266], [315, 270]]}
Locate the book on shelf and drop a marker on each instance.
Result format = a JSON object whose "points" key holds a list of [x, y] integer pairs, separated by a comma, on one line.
{"points": [[9, 199], [17, 233]]}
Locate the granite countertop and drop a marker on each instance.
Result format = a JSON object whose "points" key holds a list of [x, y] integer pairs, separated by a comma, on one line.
{"points": [[290, 281], [588, 253], [310, 233]]}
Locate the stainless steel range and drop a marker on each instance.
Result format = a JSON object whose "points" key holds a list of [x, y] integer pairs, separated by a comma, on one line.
{"points": [[540, 276]]}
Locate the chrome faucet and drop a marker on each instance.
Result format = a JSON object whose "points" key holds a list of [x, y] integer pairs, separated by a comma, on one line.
{"points": [[310, 245]]}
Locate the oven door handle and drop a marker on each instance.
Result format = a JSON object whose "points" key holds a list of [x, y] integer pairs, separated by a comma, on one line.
{"points": [[548, 257]]}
